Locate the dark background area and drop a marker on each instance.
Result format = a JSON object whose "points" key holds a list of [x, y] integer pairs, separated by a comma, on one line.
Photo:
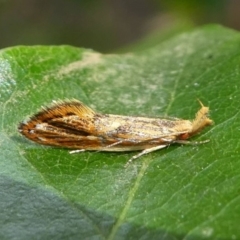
{"points": [[106, 25]]}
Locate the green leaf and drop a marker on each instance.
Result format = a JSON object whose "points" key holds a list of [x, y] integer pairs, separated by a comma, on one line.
{"points": [[181, 192]]}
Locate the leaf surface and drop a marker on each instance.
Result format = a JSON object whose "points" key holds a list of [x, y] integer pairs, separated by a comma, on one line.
{"points": [[181, 192]]}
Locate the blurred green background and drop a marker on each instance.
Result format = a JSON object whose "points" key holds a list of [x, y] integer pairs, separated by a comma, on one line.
{"points": [[105, 25]]}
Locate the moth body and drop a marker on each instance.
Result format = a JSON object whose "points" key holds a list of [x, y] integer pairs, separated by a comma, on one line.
{"points": [[73, 125]]}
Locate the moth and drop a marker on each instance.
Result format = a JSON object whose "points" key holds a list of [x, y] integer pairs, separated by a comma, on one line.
{"points": [[71, 124]]}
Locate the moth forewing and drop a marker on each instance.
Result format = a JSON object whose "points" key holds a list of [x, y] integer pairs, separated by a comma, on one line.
{"points": [[73, 125]]}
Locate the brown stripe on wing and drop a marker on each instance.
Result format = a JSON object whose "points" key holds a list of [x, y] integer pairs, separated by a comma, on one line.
{"points": [[70, 117]]}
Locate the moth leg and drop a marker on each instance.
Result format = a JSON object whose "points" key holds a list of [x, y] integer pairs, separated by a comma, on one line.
{"points": [[77, 151], [145, 151], [121, 141], [83, 150], [191, 143], [114, 144]]}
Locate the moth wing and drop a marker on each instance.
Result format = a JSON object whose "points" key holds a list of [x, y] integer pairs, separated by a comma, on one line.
{"points": [[58, 121], [75, 116]]}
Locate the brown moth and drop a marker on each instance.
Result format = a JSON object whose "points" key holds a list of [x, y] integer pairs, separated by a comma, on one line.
{"points": [[73, 125]]}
